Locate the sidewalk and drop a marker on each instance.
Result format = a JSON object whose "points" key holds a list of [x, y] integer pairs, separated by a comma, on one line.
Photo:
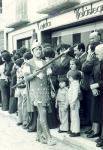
{"points": [[77, 143], [81, 142]]}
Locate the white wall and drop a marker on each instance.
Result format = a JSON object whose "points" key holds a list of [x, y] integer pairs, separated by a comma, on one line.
{"points": [[9, 7], [85, 37], [32, 10], [21, 34]]}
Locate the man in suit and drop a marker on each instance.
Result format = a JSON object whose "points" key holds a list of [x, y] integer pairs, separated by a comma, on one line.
{"points": [[61, 66], [79, 51]]}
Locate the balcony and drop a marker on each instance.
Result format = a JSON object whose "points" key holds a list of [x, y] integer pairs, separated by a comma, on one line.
{"points": [[18, 24], [18, 11], [54, 6]]}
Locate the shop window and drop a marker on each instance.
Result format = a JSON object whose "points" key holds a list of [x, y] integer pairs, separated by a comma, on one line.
{"points": [[67, 39], [56, 41], [24, 42], [76, 38]]}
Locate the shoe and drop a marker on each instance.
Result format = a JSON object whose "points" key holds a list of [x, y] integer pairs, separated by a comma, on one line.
{"points": [[89, 131], [43, 140], [101, 147], [74, 134], [25, 126], [51, 142], [100, 143], [31, 130], [19, 123], [69, 132], [37, 139], [98, 140], [93, 135], [60, 131]]}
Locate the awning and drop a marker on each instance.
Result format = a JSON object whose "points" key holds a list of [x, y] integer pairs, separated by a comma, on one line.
{"points": [[54, 6], [18, 24]]}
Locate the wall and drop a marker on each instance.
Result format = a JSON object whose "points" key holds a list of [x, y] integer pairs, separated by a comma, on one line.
{"points": [[85, 37], [21, 34], [1, 40]]}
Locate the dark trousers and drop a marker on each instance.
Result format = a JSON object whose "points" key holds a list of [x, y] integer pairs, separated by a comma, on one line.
{"points": [[13, 105], [13, 101], [5, 94], [86, 106], [32, 120]]}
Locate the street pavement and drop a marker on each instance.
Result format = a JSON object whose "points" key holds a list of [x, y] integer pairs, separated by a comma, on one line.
{"points": [[13, 137]]}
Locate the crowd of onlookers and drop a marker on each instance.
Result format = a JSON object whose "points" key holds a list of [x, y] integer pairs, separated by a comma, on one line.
{"points": [[67, 93]]}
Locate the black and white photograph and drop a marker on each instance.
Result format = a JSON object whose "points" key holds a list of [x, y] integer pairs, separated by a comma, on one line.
{"points": [[51, 74]]}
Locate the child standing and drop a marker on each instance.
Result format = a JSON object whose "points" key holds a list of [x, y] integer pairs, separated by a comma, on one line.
{"points": [[62, 103], [74, 93], [74, 96]]}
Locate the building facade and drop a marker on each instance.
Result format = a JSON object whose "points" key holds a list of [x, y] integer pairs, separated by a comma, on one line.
{"points": [[2, 24], [21, 23], [74, 25], [61, 21]]}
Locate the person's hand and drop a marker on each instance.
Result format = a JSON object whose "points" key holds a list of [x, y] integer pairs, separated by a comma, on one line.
{"points": [[16, 92], [65, 108], [49, 71], [94, 86], [52, 94], [40, 75], [56, 105], [95, 92]]}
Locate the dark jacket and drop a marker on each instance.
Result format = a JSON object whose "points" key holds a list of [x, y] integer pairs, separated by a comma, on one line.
{"points": [[8, 68], [61, 68], [97, 105]]}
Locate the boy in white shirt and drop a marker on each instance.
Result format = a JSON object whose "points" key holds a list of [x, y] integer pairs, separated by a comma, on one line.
{"points": [[74, 93]]}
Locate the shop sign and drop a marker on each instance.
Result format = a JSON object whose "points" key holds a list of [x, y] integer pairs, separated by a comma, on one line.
{"points": [[45, 24], [89, 10]]}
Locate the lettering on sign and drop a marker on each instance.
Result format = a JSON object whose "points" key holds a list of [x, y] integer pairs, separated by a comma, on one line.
{"points": [[44, 25], [88, 10]]}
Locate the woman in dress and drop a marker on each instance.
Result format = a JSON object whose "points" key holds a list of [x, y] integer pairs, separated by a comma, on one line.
{"points": [[39, 93]]}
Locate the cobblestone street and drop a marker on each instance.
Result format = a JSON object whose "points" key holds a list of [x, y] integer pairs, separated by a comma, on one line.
{"points": [[13, 137]]}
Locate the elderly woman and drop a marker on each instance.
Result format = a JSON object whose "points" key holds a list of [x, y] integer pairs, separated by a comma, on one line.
{"points": [[97, 90], [39, 94]]}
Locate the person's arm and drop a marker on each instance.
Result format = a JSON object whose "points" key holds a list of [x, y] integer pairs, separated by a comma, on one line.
{"points": [[66, 99], [56, 100]]}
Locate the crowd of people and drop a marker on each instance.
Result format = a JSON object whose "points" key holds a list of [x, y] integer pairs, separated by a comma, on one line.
{"points": [[67, 93]]}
